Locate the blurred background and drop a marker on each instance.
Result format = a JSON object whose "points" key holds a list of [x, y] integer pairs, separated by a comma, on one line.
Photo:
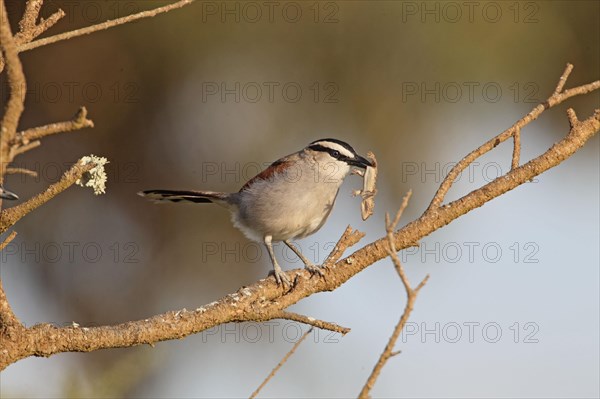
{"points": [[207, 96]]}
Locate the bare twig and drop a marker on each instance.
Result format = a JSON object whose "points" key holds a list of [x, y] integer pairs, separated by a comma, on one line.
{"points": [[8, 239], [516, 148], [324, 325], [281, 363], [80, 121], [16, 150], [563, 79], [23, 171], [411, 296], [29, 29], [556, 98], [102, 26], [8, 217], [348, 239], [573, 121]]}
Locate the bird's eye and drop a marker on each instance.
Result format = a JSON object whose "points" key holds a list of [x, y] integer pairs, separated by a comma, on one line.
{"points": [[335, 154]]}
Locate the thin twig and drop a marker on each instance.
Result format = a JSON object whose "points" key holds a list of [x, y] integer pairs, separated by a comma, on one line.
{"points": [[573, 121], [555, 99], [281, 363], [8, 239], [324, 325], [23, 149], [516, 157], [563, 79], [102, 26], [411, 296], [23, 171], [349, 238], [8, 217], [29, 29], [79, 121]]}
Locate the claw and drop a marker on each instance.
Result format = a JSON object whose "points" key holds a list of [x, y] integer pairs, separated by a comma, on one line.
{"points": [[282, 278], [314, 269]]}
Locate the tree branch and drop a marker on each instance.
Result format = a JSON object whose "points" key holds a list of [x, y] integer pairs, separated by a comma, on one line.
{"points": [[16, 80], [80, 121], [557, 97], [411, 297], [9, 324], [281, 363], [28, 27], [10, 216], [103, 26], [324, 325]]}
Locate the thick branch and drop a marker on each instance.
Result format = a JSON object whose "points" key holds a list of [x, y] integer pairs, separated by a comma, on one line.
{"points": [[16, 80], [9, 324]]}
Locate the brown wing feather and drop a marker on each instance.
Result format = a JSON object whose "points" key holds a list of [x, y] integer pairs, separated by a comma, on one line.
{"points": [[278, 166]]}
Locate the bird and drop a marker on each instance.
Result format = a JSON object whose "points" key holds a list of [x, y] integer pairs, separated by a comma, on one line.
{"points": [[291, 199], [5, 194]]}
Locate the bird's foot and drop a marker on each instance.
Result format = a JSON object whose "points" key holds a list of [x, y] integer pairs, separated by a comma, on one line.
{"points": [[314, 269], [281, 277]]}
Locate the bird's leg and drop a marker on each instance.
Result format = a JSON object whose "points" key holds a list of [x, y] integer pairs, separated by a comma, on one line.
{"points": [[307, 264], [280, 276]]}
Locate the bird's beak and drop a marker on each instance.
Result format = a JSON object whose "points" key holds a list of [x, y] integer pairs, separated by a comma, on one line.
{"points": [[360, 162], [5, 194]]}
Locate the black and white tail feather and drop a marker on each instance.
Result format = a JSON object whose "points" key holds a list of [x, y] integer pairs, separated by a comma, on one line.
{"points": [[197, 197]]}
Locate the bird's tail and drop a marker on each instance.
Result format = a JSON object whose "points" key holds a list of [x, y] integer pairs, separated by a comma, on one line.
{"points": [[159, 196]]}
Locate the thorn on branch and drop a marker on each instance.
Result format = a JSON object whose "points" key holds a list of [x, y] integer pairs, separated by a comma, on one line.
{"points": [[516, 148], [573, 121]]}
